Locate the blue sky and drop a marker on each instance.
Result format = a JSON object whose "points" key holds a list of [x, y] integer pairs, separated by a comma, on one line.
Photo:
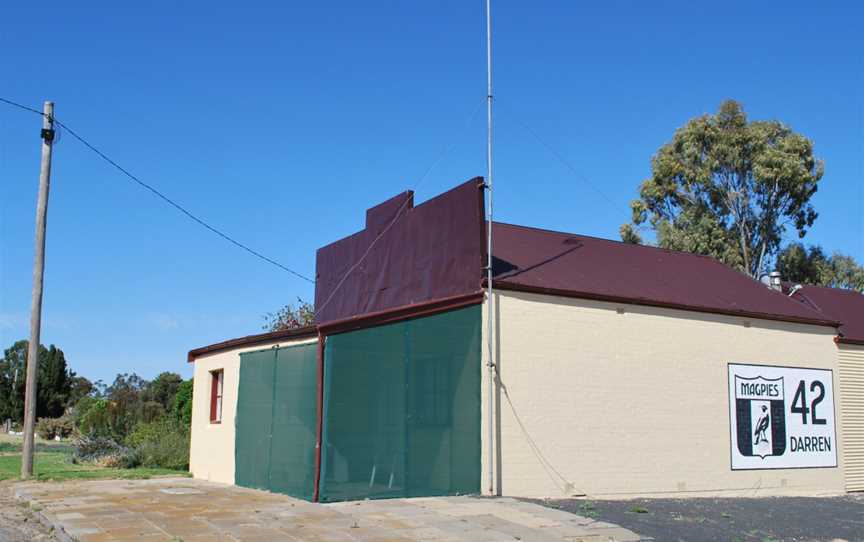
{"points": [[282, 122]]}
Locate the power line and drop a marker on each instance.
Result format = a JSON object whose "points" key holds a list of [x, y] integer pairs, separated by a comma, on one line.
{"points": [[231, 240], [24, 107], [550, 469], [564, 161], [396, 218], [162, 196]]}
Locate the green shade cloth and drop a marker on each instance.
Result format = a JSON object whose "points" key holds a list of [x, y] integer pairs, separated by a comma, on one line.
{"points": [[276, 420], [402, 409]]}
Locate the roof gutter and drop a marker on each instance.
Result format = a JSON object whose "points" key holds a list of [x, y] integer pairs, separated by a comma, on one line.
{"points": [[503, 285], [251, 340], [846, 340], [405, 312]]}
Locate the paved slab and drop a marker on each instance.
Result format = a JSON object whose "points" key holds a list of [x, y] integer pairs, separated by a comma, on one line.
{"points": [[174, 509], [752, 519]]}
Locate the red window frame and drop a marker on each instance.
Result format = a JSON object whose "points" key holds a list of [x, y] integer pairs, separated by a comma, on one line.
{"points": [[217, 384]]}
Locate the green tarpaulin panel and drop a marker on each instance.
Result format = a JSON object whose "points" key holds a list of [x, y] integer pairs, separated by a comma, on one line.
{"points": [[254, 419], [276, 420], [295, 422], [402, 409]]}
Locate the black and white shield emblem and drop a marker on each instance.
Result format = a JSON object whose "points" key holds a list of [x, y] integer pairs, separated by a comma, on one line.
{"points": [[760, 416]]}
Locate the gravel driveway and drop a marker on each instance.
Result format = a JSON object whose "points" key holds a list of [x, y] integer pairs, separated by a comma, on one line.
{"points": [[17, 523], [741, 520]]}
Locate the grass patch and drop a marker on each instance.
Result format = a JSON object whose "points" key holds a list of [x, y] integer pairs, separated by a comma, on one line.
{"points": [[15, 447], [588, 510], [638, 510], [13, 444], [55, 465]]}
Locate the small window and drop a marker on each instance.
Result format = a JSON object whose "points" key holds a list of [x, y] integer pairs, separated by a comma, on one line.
{"points": [[216, 396]]}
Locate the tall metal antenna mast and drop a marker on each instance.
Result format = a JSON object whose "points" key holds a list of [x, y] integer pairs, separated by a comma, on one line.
{"points": [[490, 304]]}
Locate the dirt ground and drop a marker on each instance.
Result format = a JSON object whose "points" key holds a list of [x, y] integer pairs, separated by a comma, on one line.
{"points": [[792, 519], [17, 523]]}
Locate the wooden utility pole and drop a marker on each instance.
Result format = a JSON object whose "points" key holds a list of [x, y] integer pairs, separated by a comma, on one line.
{"points": [[36, 305]]}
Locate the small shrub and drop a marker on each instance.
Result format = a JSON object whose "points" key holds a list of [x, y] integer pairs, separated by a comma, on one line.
{"points": [[49, 428], [163, 443], [123, 458], [89, 448], [92, 416], [104, 452], [182, 407]]}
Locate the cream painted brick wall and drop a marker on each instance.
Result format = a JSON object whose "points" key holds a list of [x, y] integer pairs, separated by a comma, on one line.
{"points": [[624, 400], [211, 454]]}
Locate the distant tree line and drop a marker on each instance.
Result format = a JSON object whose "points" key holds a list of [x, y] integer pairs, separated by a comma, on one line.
{"points": [[137, 421], [803, 265], [58, 387]]}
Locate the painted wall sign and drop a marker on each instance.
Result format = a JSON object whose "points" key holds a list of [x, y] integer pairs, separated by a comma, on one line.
{"points": [[781, 417]]}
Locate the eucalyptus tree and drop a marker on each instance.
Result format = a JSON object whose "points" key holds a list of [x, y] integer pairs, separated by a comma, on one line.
{"points": [[728, 188]]}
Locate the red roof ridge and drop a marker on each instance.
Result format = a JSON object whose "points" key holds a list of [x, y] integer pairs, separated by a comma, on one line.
{"points": [[842, 304], [833, 289], [668, 250]]}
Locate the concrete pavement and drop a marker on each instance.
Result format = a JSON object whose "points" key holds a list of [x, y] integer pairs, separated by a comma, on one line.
{"points": [[174, 509]]}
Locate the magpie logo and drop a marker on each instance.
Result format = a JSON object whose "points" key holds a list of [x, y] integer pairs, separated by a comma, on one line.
{"points": [[760, 416]]}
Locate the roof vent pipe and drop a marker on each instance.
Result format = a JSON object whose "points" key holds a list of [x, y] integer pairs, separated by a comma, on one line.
{"points": [[774, 281]]}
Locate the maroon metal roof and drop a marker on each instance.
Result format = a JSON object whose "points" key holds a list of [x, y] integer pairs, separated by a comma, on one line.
{"points": [[558, 263], [847, 306], [434, 251], [432, 258]]}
